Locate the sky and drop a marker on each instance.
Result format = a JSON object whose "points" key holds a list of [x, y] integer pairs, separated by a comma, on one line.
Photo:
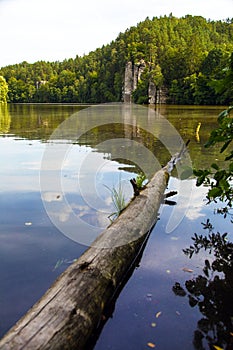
{"points": [[52, 30]]}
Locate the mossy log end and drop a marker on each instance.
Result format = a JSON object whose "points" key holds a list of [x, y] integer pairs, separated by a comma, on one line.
{"points": [[69, 312]]}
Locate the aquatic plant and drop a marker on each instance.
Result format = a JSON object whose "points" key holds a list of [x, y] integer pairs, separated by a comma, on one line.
{"points": [[118, 199], [141, 181], [138, 183]]}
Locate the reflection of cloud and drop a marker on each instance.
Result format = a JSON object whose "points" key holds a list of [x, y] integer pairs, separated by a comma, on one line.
{"points": [[196, 204], [194, 213], [64, 215], [165, 250], [65, 212], [189, 202], [108, 201], [103, 219], [31, 165], [51, 196]]}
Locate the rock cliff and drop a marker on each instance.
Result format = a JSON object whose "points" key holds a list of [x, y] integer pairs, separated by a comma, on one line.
{"points": [[133, 72]]}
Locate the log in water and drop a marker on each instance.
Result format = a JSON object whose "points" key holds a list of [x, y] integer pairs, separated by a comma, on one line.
{"points": [[71, 310]]}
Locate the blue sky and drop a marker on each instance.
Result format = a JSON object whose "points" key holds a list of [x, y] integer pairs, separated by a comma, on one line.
{"points": [[50, 30]]}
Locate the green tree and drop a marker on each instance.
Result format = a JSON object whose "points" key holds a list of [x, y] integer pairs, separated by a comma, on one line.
{"points": [[211, 291], [219, 180], [156, 75], [140, 95], [188, 56], [224, 85]]}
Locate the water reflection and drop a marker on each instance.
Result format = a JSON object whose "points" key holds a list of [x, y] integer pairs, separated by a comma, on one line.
{"points": [[211, 291], [33, 121], [5, 119], [39, 121], [29, 253], [149, 291], [130, 136]]}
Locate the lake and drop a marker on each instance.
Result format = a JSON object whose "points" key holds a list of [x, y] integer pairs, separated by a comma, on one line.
{"points": [[59, 165]]}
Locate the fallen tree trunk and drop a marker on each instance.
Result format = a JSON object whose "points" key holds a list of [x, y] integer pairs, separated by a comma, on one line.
{"points": [[67, 315]]}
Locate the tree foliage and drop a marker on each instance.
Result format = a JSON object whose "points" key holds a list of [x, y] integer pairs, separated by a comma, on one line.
{"points": [[189, 56], [211, 291], [219, 180]]}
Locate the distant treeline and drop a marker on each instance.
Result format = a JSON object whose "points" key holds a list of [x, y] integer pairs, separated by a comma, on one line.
{"points": [[190, 57]]}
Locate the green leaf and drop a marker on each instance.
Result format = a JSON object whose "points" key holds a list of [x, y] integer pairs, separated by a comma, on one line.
{"points": [[226, 144], [214, 192], [231, 167], [215, 166], [230, 156], [197, 172], [209, 143], [219, 175], [224, 184], [222, 115], [200, 180]]}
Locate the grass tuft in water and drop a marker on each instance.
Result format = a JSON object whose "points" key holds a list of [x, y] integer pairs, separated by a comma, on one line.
{"points": [[118, 199]]}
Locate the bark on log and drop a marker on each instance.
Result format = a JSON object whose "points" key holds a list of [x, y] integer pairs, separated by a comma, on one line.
{"points": [[66, 316]]}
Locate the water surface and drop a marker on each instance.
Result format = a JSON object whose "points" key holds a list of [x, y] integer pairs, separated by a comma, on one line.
{"points": [[34, 251]]}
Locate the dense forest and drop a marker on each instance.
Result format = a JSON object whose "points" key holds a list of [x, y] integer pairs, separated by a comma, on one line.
{"points": [[190, 58]]}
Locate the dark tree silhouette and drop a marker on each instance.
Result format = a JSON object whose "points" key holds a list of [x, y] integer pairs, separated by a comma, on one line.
{"points": [[212, 291]]}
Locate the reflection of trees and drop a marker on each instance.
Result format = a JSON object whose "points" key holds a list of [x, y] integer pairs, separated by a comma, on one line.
{"points": [[5, 118], [37, 121], [212, 291], [128, 153], [32, 121]]}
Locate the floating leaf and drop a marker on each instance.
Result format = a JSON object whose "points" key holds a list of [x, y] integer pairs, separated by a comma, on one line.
{"points": [[214, 192], [185, 269], [151, 345], [158, 314]]}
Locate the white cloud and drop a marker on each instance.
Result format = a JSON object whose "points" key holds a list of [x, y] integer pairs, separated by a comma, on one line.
{"points": [[58, 29]]}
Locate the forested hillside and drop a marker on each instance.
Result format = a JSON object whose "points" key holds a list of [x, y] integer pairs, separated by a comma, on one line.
{"points": [[190, 58]]}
